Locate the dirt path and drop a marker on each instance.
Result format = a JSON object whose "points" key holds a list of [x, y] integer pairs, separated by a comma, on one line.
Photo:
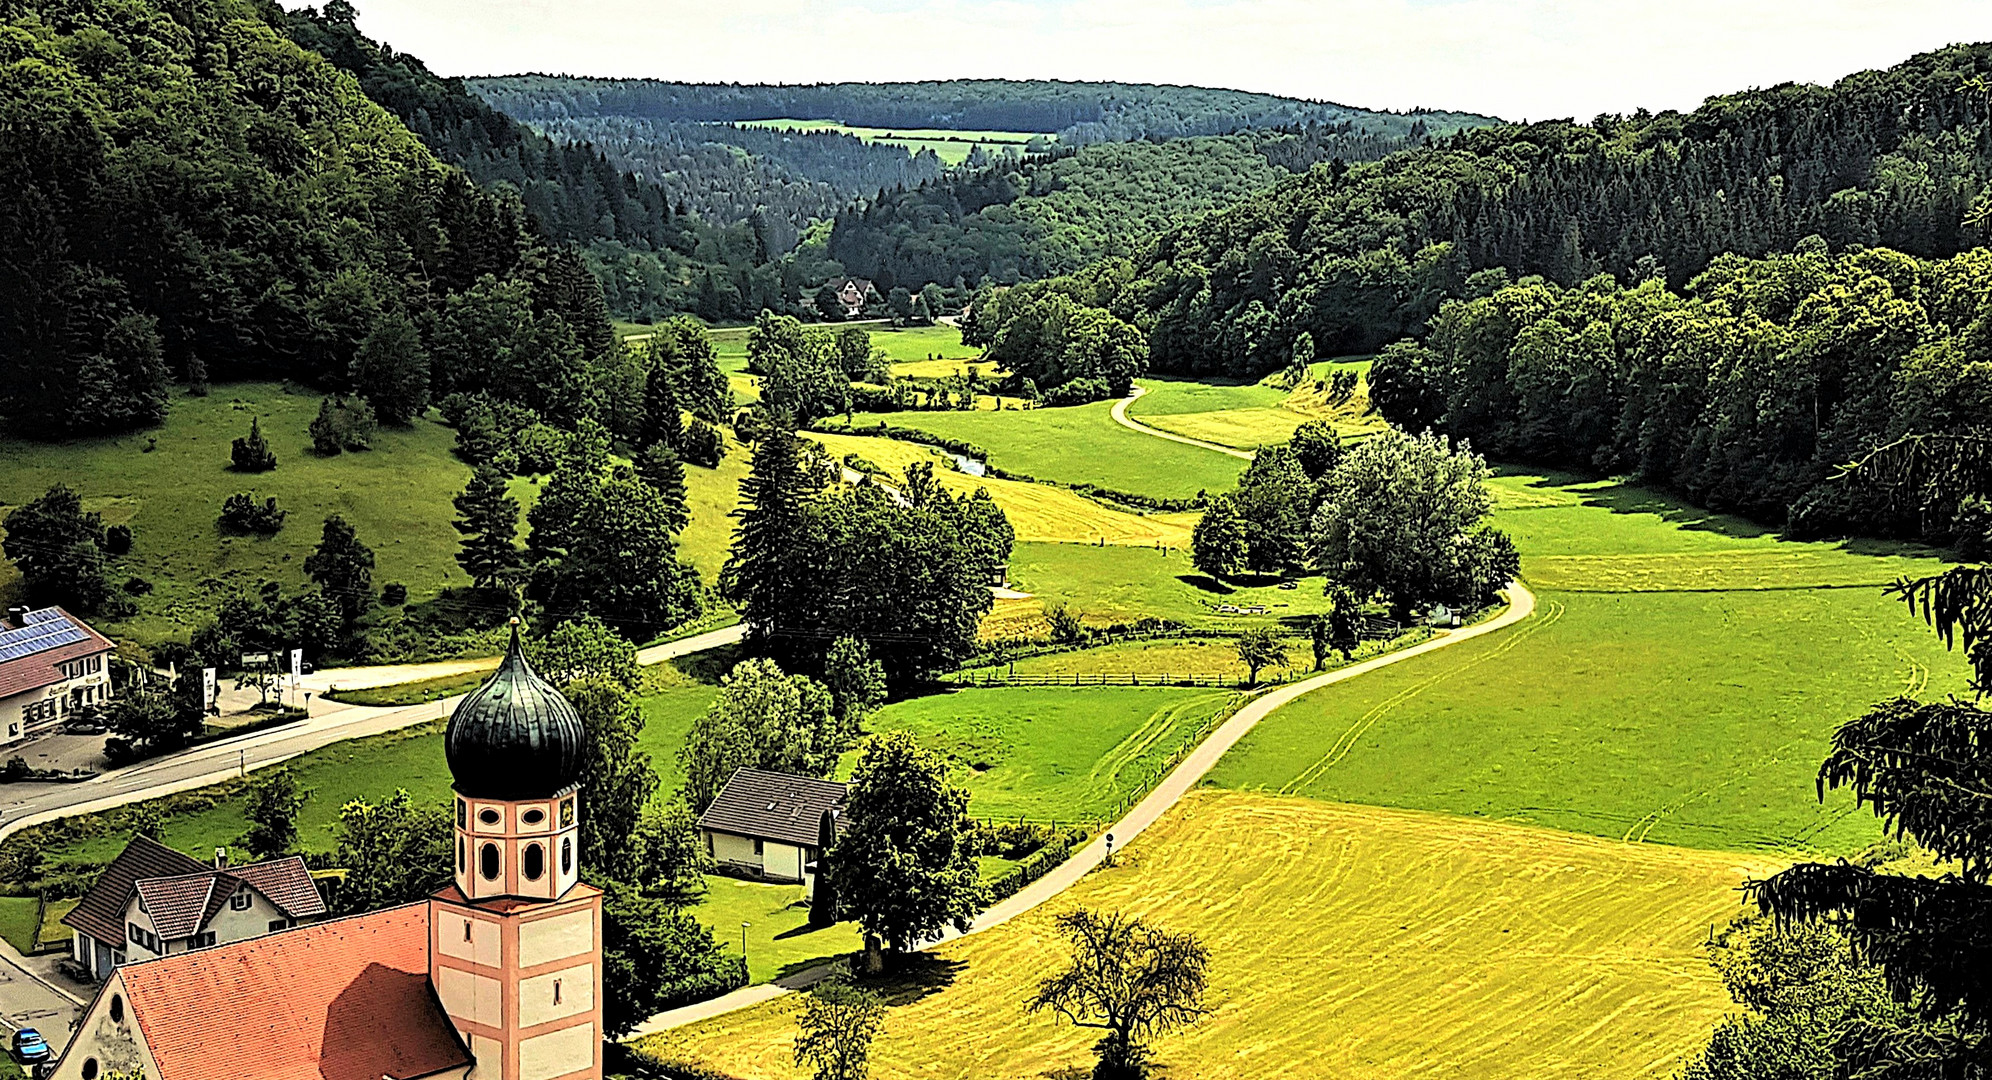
{"points": [[1120, 417], [1521, 604]]}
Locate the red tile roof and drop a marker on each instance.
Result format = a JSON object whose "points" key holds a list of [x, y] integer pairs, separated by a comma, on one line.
{"points": [[100, 913], [348, 999], [287, 883], [180, 906], [37, 670]]}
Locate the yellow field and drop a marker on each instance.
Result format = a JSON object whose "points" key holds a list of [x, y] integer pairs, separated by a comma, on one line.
{"points": [[1704, 571], [1249, 427], [1038, 512], [941, 369], [1346, 942]]}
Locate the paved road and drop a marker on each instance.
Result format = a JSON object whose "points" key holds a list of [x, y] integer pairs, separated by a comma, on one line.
{"points": [[25, 995], [1521, 604], [1119, 412]]}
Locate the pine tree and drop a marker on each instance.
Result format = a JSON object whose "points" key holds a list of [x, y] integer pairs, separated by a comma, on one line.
{"points": [[661, 468], [252, 453], [663, 418], [343, 568], [488, 518], [774, 499]]}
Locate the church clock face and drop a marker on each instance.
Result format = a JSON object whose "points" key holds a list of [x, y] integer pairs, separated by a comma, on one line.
{"points": [[566, 813]]}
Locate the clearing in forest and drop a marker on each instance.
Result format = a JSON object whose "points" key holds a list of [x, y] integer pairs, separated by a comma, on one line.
{"points": [[1345, 942], [1249, 415]]}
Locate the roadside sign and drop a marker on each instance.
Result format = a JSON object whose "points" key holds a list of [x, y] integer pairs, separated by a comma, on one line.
{"points": [[255, 658], [207, 688], [297, 664]]}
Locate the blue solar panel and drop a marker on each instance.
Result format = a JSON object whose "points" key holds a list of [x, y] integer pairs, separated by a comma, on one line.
{"points": [[46, 629]]}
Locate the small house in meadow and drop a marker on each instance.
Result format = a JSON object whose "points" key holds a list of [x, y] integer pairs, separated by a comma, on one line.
{"points": [[766, 825]]}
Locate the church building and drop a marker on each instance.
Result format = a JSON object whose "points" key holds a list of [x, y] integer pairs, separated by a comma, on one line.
{"points": [[496, 977]]}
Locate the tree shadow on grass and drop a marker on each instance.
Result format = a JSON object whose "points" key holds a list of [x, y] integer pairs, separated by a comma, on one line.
{"points": [[710, 665], [912, 977], [1205, 583], [1628, 499]]}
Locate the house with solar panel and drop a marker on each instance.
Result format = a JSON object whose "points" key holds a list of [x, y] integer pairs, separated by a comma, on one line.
{"points": [[773, 826], [51, 665]]}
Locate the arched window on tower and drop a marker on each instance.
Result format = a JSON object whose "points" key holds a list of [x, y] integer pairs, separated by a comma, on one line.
{"points": [[533, 864], [487, 862], [567, 855], [460, 855]]}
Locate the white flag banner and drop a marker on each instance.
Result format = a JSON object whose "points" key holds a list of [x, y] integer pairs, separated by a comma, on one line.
{"points": [[297, 665], [207, 688]]}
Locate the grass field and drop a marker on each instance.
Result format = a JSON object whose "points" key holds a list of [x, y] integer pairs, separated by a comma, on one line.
{"points": [[1038, 512], [1345, 942], [1678, 685], [17, 921], [1112, 584], [1047, 753], [950, 145], [1078, 445], [1247, 415], [397, 496]]}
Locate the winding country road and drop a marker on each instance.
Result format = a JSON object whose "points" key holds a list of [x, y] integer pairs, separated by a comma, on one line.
{"points": [[1119, 413]]}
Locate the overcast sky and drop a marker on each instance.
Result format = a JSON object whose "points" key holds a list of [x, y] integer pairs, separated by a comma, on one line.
{"points": [[1519, 59]]}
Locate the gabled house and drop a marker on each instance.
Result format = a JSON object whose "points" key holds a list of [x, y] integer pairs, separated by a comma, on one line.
{"points": [[51, 664], [767, 825], [152, 901]]}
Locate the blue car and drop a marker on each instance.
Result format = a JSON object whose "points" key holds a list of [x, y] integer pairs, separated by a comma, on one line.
{"points": [[29, 1048]]}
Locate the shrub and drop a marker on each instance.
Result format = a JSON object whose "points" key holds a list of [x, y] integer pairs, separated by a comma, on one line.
{"points": [[704, 445], [393, 594], [343, 424], [137, 586], [1078, 392], [240, 514], [252, 453], [117, 540], [537, 448]]}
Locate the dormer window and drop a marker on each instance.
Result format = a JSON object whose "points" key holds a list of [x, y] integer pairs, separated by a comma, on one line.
{"points": [[240, 901]]}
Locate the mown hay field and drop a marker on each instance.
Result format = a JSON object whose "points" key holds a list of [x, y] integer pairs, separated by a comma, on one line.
{"points": [[1249, 415], [1678, 684], [1038, 512], [1106, 584], [1352, 943]]}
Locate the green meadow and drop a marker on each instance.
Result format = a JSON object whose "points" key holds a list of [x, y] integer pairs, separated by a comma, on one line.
{"points": [[1081, 444], [952, 146], [1678, 684], [1111, 583]]}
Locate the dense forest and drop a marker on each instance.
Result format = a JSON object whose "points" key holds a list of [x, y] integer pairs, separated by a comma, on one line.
{"points": [[780, 180], [1746, 391], [1077, 112], [187, 194], [657, 249], [1359, 257], [1053, 213]]}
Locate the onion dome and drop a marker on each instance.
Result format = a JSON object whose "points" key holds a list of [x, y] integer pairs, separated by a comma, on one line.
{"points": [[515, 737]]}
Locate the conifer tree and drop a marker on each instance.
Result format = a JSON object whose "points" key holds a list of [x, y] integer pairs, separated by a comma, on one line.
{"points": [[343, 568], [661, 468], [488, 518], [663, 417], [774, 499], [252, 453]]}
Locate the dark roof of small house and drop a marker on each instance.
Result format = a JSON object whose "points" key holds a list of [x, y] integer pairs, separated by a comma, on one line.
{"points": [[773, 806], [180, 900], [348, 999], [47, 637], [100, 913]]}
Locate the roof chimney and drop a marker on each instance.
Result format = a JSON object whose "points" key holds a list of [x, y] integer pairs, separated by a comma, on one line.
{"points": [[18, 615], [221, 858]]}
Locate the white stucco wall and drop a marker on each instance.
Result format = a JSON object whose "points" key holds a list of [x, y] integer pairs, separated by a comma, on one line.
{"points": [[545, 940], [558, 1053], [470, 996], [115, 1046], [574, 987], [481, 949]]}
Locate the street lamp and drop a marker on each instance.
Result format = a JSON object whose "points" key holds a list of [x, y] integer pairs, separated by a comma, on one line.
{"points": [[743, 939]]}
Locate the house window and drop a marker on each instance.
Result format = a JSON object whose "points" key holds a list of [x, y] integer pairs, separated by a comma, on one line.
{"points": [[534, 863], [757, 846], [281, 924], [89, 1069], [488, 816], [459, 854], [534, 817], [463, 808], [201, 941], [137, 936], [117, 1008], [487, 862], [240, 901], [13, 730], [556, 991]]}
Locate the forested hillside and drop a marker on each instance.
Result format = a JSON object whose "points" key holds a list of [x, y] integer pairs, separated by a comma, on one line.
{"points": [[697, 243], [1078, 112], [1051, 214], [1358, 258]]}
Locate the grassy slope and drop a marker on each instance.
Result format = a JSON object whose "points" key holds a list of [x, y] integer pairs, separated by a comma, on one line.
{"points": [[1078, 445], [397, 496], [1247, 415], [1692, 708], [951, 146], [1038, 512], [1049, 753], [1121, 584], [1344, 942]]}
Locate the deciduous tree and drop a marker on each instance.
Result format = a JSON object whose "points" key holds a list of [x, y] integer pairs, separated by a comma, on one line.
{"points": [[1261, 648], [905, 867], [343, 568], [391, 370], [618, 781], [393, 852], [837, 1022], [762, 719], [1128, 979], [274, 802], [58, 549]]}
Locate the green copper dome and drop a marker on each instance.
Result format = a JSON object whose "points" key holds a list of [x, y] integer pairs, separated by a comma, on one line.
{"points": [[514, 737]]}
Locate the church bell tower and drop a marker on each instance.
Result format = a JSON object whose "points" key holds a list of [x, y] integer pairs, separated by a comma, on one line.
{"points": [[515, 949]]}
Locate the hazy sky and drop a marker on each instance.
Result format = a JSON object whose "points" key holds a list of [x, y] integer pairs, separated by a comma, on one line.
{"points": [[1520, 59]]}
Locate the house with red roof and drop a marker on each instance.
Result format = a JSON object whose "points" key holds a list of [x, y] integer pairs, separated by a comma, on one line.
{"points": [[51, 664], [152, 901], [499, 975]]}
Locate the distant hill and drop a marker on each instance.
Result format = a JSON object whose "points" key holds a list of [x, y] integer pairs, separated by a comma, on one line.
{"points": [[1077, 112]]}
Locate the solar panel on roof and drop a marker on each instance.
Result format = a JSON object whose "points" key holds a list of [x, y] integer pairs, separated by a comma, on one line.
{"points": [[41, 615], [41, 635]]}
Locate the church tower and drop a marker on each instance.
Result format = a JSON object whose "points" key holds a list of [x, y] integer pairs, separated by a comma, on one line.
{"points": [[515, 945]]}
